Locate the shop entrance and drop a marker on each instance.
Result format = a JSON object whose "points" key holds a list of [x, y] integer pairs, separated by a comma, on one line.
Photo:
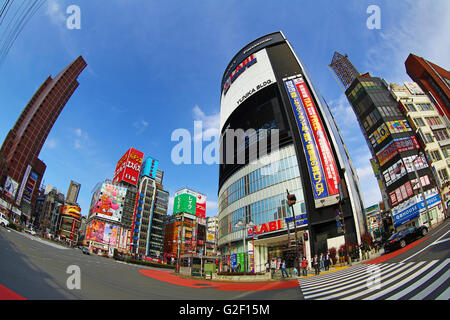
{"points": [[283, 252]]}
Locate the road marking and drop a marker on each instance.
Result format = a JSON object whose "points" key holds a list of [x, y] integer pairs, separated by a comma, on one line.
{"points": [[426, 246], [445, 295], [417, 284], [399, 284], [432, 287]]}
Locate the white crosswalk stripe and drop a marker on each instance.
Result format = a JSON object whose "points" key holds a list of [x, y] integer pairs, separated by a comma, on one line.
{"points": [[386, 281]]}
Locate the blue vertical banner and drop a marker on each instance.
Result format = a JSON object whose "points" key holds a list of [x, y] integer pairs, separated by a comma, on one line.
{"points": [[315, 167]]}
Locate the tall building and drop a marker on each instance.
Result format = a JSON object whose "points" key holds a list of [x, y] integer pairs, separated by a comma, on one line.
{"points": [[22, 145], [267, 97], [46, 211], [434, 81], [211, 236], [151, 209], [73, 192], [432, 133], [395, 148]]}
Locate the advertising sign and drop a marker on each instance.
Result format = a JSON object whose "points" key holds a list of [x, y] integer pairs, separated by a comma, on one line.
{"points": [[190, 202], [108, 201], [410, 209], [265, 227], [150, 167], [22, 185], [300, 220], [72, 211], [110, 234], [253, 73], [129, 167], [31, 183], [11, 187], [234, 260], [378, 136], [102, 232], [321, 165], [396, 146], [398, 126]]}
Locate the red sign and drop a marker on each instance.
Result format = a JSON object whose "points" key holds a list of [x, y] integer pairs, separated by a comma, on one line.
{"points": [[129, 166], [265, 227], [329, 165]]}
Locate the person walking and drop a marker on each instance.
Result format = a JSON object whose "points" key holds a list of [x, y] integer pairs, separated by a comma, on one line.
{"points": [[304, 266], [283, 269], [322, 261], [316, 264], [327, 261]]}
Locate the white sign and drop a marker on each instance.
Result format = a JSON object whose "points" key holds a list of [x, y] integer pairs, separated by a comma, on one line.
{"points": [[250, 81]]}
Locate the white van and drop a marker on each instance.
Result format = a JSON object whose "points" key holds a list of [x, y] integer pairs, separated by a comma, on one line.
{"points": [[3, 220]]}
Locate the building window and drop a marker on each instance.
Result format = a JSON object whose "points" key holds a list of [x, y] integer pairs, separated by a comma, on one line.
{"points": [[436, 155], [441, 135], [410, 107], [446, 152], [425, 106], [428, 138], [419, 122], [443, 174], [433, 121]]}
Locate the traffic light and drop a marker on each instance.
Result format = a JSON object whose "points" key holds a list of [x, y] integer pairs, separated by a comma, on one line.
{"points": [[291, 199], [305, 236]]}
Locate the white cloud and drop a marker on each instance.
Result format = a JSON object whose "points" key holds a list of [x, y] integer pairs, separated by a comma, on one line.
{"points": [[210, 123], [51, 143], [55, 12], [421, 28], [140, 125]]}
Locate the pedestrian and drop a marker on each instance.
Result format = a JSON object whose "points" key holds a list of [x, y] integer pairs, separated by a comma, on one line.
{"points": [[327, 261], [283, 269], [267, 266], [321, 261], [316, 264], [363, 251], [304, 266]]}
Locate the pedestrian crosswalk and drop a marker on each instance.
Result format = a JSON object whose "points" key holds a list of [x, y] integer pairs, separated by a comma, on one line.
{"points": [[385, 281]]}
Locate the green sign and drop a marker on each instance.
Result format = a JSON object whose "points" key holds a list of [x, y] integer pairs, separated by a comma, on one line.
{"points": [[241, 261], [184, 203]]}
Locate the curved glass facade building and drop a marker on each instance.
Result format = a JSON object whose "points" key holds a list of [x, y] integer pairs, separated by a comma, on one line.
{"points": [[277, 134]]}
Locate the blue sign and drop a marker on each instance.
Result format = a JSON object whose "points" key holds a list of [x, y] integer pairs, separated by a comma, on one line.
{"points": [[300, 220], [234, 260], [412, 209], [150, 167], [315, 166]]}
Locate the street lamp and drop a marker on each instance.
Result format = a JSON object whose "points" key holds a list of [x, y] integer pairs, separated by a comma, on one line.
{"points": [[244, 226]]}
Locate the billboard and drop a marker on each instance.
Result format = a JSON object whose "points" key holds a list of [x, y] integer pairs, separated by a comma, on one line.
{"points": [[398, 126], [411, 209], [129, 167], [102, 232], [252, 74], [107, 201], [29, 187], [190, 202], [11, 187], [72, 211], [22, 185], [395, 147], [319, 157], [150, 167], [378, 136]]}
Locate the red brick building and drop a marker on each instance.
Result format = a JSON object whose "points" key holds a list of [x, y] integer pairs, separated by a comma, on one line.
{"points": [[21, 170]]}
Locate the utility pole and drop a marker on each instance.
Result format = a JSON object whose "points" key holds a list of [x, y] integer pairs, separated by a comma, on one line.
{"points": [[421, 189], [291, 201]]}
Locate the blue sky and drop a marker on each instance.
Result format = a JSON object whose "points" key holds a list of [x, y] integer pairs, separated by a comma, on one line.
{"points": [[156, 66]]}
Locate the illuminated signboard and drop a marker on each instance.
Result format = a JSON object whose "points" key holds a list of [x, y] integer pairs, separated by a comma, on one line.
{"points": [[401, 167], [129, 167], [102, 232], [247, 63], [72, 211], [265, 227], [190, 202], [398, 126], [321, 164], [150, 167], [411, 209], [396, 146], [108, 201], [378, 136]]}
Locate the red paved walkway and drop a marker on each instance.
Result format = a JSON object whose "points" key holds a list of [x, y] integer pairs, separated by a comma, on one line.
{"points": [[6, 294], [170, 277], [393, 254]]}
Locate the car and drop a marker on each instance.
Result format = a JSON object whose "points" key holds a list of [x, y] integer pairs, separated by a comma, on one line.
{"points": [[402, 238], [30, 231], [4, 222], [85, 251]]}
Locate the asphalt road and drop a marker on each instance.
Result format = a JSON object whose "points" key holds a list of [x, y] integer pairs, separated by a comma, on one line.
{"points": [[37, 269]]}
